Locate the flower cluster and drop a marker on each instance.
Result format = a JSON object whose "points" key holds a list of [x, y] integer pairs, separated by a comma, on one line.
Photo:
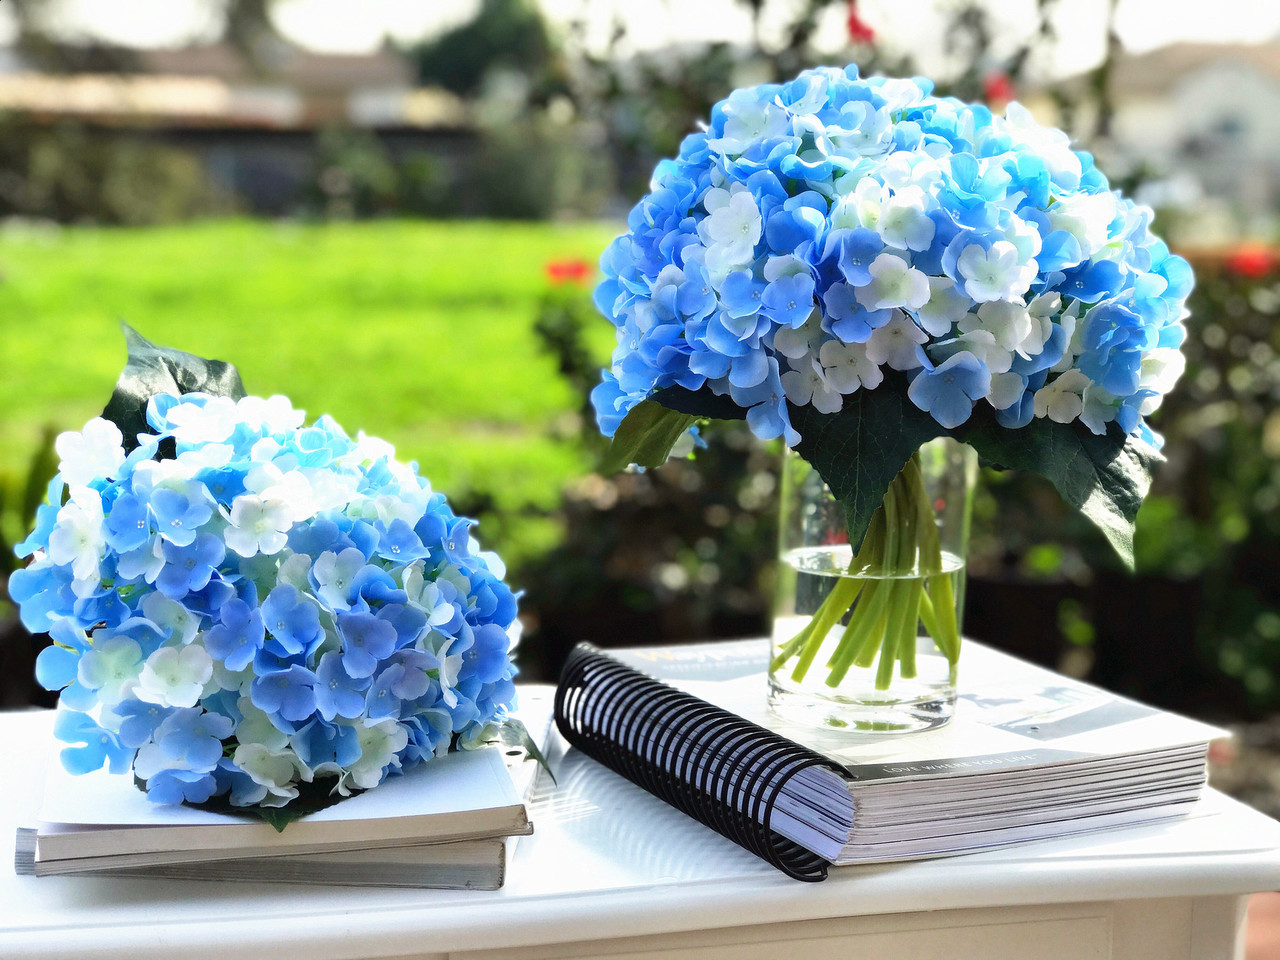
{"points": [[267, 604], [823, 230]]}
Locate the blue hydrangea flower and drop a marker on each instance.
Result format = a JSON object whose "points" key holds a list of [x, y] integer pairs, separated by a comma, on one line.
{"points": [[299, 585], [882, 206]]}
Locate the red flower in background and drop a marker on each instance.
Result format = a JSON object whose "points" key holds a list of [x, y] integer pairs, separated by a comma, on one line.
{"points": [[1251, 260], [572, 270], [859, 31], [998, 88]]}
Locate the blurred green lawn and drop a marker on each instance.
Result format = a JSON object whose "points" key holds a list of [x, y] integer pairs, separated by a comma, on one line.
{"points": [[418, 332]]}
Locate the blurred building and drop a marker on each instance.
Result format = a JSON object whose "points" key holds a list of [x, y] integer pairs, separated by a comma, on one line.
{"points": [[254, 129]]}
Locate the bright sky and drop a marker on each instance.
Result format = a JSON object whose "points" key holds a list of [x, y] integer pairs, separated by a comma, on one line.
{"points": [[346, 26]]}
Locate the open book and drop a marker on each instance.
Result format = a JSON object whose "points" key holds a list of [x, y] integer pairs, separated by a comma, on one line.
{"points": [[1029, 754], [444, 823]]}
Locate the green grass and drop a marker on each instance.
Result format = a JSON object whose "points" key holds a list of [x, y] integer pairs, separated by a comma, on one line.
{"points": [[420, 333]]}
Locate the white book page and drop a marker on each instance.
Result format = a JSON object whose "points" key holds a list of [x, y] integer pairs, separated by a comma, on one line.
{"points": [[1007, 709]]}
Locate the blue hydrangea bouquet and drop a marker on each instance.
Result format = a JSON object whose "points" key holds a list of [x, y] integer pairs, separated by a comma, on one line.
{"points": [[857, 267], [252, 613]]}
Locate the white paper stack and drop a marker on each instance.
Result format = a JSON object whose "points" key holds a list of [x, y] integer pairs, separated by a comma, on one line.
{"points": [[1029, 754]]}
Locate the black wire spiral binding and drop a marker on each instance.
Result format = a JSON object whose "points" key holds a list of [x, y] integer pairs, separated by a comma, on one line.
{"points": [[715, 766]]}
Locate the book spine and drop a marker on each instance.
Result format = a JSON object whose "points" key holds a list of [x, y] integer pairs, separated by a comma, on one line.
{"points": [[707, 762]]}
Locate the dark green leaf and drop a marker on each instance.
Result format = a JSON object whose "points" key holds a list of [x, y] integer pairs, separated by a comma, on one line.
{"points": [[311, 798], [645, 437], [513, 733], [151, 370], [700, 403], [1104, 477], [859, 450]]}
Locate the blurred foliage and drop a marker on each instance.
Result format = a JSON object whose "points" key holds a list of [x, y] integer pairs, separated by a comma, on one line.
{"points": [[1211, 525], [354, 175], [508, 35], [68, 172], [22, 488], [680, 553]]}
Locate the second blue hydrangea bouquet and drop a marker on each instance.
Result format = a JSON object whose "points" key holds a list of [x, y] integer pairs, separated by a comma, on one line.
{"points": [[857, 267], [252, 612]]}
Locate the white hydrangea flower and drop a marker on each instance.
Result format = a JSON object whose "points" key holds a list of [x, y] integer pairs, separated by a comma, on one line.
{"points": [[170, 615], [256, 727], [110, 668], [1061, 400], [210, 456], [897, 343], [369, 449], [946, 305], [994, 274], [212, 422], [277, 770], [175, 676], [331, 490], [983, 345], [904, 220], [257, 525], [747, 118], [868, 199], [807, 385], [1051, 144], [1086, 217], [733, 226], [96, 451], [1160, 370], [894, 283], [450, 665], [1007, 321], [1006, 389], [848, 368], [1099, 408], [802, 341], [379, 744], [78, 538], [276, 413], [291, 488]]}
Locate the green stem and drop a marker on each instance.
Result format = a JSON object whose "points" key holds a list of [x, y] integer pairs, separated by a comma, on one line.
{"points": [[895, 585], [889, 644], [841, 598], [910, 628], [861, 638], [792, 646]]}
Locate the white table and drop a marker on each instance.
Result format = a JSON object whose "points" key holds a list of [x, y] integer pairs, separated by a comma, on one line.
{"points": [[613, 872]]}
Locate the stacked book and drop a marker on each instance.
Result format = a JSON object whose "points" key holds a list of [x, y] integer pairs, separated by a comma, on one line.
{"points": [[1029, 755], [449, 823]]}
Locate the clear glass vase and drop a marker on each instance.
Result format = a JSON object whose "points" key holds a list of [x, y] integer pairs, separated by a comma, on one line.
{"points": [[870, 640]]}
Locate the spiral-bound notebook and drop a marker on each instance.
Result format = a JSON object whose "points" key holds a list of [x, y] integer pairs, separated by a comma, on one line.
{"points": [[1029, 755]]}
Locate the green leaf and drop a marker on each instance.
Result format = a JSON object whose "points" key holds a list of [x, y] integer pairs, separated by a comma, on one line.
{"points": [[1104, 477], [153, 369], [513, 733], [700, 403], [859, 450], [645, 436], [652, 427], [313, 796]]}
